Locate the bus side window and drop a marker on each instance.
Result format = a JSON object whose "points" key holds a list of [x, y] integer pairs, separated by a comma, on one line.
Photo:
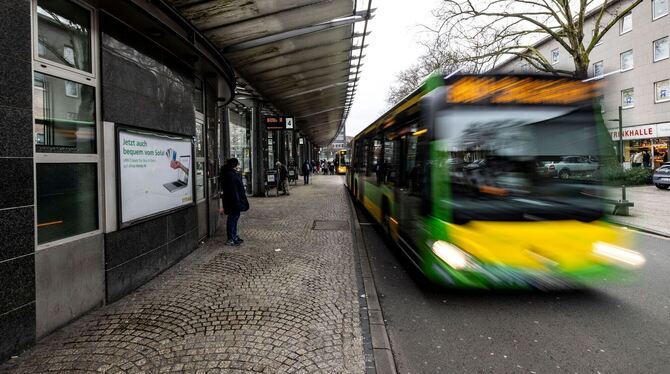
{"points": [[355, 155], [423, 180], [363, 157], [390, 163], [359, 161], [408, 163], [374, 158], [368, 157]]}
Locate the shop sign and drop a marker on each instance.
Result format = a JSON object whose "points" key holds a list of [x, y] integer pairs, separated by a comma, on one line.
{"points": [[663, 129], [154, 173], [279, 123], [635, 132]]}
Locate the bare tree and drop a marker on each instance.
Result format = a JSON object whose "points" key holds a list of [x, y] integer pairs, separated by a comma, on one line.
{"points": [[437, 57], [498, 29]]}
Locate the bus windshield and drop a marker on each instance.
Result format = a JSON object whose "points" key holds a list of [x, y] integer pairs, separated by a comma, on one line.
{"points": [[342, 158], [519, 163]]}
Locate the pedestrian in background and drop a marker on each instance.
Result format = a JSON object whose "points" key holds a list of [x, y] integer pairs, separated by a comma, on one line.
{"points": [[636, 159], [282, 171], [306, 169], [234, 198], [646, 159]]}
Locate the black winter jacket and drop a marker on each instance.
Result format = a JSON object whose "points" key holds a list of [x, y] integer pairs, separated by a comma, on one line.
{"points": [[232, 192]]}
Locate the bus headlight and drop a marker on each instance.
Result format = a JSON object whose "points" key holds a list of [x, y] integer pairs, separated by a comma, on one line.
{"points": [[618, 254], [451, 255]]}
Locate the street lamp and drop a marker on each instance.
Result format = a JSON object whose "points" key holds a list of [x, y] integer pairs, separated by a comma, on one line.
{"points": [[624, 210]]}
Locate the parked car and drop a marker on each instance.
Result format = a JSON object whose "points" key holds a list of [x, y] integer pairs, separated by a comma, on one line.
{"points": [[572, 165], [661, 176]]}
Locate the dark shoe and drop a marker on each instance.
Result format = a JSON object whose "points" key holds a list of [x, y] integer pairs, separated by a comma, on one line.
{"points": [[232, 243], [239, 240]]}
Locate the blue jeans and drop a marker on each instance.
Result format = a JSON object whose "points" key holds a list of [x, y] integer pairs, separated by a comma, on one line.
{"points": [[231, 226]]}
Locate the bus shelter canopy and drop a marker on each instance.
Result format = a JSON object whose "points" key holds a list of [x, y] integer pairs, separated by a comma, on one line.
{"points": [[299, 55]]}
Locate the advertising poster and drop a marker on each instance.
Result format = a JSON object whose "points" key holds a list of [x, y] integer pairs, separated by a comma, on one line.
{"points": [[154, 173]]}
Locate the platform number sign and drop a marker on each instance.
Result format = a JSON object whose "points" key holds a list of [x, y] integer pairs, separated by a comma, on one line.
{"points": [[279, 123]]}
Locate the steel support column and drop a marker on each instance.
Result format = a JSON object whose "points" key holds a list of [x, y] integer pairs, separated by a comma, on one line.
{"points": [[257, 136]]}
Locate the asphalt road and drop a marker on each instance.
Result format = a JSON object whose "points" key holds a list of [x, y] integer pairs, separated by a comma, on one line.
{"points": [[617, 328]]}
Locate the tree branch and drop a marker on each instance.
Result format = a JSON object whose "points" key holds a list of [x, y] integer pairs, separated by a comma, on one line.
{"points": [[599, 35]]}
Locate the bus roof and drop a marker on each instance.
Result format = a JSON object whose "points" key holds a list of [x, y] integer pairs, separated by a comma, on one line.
{"points": [[493, 89]]}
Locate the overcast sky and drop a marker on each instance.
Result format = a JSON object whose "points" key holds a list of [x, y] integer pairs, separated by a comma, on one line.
{"points": [[392, 46]]}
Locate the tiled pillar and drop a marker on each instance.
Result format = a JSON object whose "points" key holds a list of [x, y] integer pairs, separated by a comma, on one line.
{"points": [[17, 217]]}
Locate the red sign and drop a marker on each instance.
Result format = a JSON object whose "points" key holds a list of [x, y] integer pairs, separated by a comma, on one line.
{"points": [[636, 132]]}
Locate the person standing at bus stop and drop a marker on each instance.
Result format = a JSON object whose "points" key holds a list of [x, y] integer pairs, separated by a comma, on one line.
{"points": [[234, 198], [306, 169], [282, 171]]}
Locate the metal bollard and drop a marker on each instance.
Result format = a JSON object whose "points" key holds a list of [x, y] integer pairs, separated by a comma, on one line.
{"points": [[622, 210]]}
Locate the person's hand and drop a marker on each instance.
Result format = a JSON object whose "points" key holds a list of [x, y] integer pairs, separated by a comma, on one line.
{"points": [[176, 164]]}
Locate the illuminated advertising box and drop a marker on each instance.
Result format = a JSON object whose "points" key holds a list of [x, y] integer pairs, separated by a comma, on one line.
{"points": [[154, 173]]}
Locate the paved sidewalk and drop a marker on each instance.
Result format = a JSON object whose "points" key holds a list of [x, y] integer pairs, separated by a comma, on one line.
{"points": [[651, 211], [287, 300]]}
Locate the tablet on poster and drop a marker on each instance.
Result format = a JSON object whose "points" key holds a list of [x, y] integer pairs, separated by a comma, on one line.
{"points": [[155, 173]]}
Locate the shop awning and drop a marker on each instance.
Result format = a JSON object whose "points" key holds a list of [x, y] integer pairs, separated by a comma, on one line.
{"points": [[299, 55]]}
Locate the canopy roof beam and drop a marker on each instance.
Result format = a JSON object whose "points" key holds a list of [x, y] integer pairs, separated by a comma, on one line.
{"points": [[357, 17]]}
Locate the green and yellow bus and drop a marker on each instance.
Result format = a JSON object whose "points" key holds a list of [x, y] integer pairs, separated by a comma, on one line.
{"points": [[342, 161], [457, 175]]}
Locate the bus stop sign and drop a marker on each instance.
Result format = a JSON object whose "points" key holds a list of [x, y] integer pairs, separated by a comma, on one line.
{"points": [[279, 123]]}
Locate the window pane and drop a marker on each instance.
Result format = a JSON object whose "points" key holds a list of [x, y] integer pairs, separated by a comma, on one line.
{"points": [[554, 56], [627, 60], [199, 180], [64, 115], [661, 49], [64, 32], [627, 23], [598, 69], [627, 98], [197, 96], [600, 101], [660, 8], [662, 89], [67, 200], [240, 144], [199, 139]]}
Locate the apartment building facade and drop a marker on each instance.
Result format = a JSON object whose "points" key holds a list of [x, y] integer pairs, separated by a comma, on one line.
{"points": [[632, 61]]}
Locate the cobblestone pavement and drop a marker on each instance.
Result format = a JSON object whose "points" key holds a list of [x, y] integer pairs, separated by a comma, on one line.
{"points": [[286, 301], [650, 211]]}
